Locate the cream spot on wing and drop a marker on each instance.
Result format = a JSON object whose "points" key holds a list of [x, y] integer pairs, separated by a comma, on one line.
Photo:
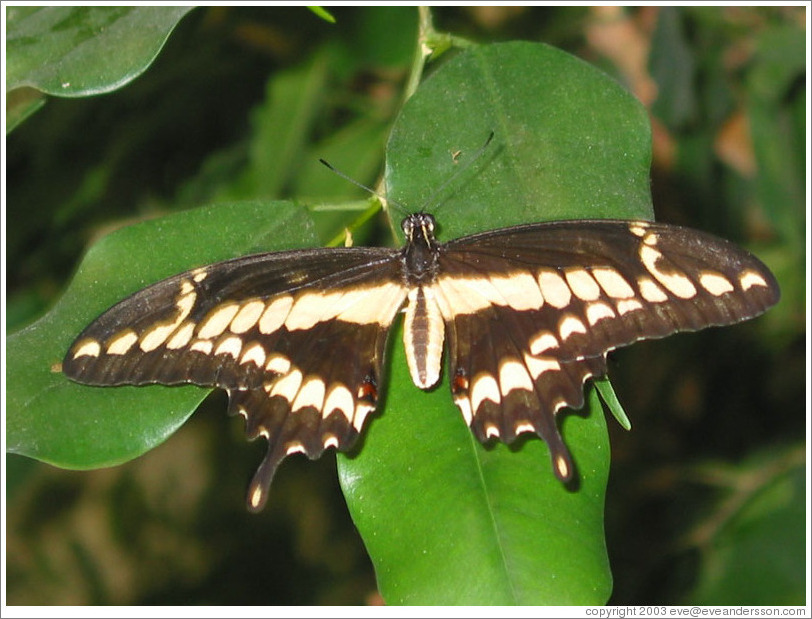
{"points": [[484, 388], [715, 283], [596, 312], [638, 228], [217, 321], [628, 305], [582, 284], [287, 386], [377, 304], [185, 304], [231, 345], [491, 431], [181, 337], [204, 346], [310, 308], [253, 354], [613, 283], [650, 291], [122, 342], [538, 366], [542, 342], [330, 440], [750, 278], [368, 305], [247, 317], [519, 290], [275, 314], [558, 404], [362, 409], [256, 496], [562, 466], [186, 287], [339, 398], [568, 325], [513, 375], [294, 447], [522, 427], [651, 239], [676, 282], [311, 393], [278, 364], [464, 404], [554, 289], [199, 274], [87, 348], [465, 295], [155, 336]]}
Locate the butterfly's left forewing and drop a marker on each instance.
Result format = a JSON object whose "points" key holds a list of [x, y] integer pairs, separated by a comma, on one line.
{"points": [[531, 311], [296, 338]]}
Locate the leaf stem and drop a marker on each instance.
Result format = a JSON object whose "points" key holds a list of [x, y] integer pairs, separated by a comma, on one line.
{"points": [[430, 44]]}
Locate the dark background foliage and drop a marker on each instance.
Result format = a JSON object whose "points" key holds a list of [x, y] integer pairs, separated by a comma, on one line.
{"points": [[705, 501]]}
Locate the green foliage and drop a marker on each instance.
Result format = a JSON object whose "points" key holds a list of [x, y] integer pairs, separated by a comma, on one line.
{"points": [[90, 429], [755, 522], [81, 51], [235, 113]]}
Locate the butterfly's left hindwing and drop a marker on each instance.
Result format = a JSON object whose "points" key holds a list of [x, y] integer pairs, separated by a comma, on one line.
{"points": [[296, 338]]}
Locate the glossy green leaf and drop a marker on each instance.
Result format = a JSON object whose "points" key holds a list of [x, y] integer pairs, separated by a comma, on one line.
{"points": [[613, 405], [88, 50], [74, 426], [446, 520]]}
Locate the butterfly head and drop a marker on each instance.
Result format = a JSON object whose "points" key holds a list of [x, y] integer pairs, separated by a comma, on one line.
{"points": [[419, 229], [420, 251]]}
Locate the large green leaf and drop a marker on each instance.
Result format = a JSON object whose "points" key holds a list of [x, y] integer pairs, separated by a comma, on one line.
{"points": [[444, 519], [73, 426], [447, 521], [87, 50]]}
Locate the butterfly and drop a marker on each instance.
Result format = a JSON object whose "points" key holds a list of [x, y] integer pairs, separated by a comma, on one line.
{"points": [[524, 315]]}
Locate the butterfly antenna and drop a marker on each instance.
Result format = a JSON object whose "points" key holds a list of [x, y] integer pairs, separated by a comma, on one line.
{"points": [[384, 199], [431, 198], [457, 174]]}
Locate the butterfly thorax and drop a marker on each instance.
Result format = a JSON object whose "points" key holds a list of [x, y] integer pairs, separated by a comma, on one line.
{"points": [[419, 256]]}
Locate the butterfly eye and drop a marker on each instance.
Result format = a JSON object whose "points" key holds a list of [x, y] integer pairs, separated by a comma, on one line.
{"points": [[407, 225]]}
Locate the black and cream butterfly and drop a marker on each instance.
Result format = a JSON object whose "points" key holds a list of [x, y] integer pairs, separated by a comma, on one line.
{"points": [[526, 315]]}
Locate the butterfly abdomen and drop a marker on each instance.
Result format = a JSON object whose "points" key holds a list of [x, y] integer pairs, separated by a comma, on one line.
{"points": [[423, 337]]}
